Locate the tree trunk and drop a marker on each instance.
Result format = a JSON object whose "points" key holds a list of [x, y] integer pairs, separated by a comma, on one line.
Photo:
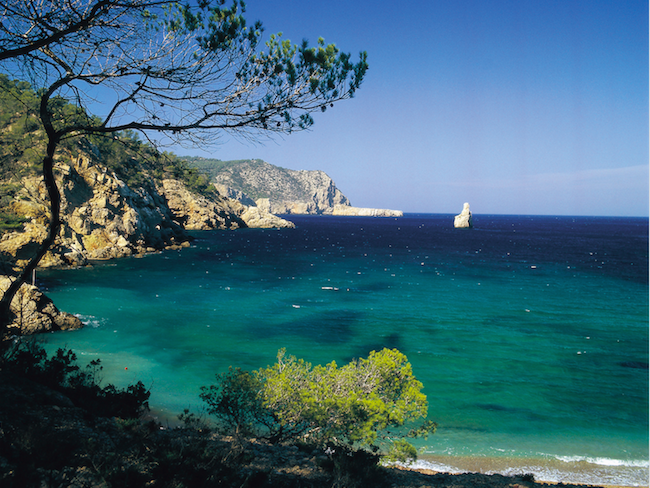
{"points": [[6, 315]]}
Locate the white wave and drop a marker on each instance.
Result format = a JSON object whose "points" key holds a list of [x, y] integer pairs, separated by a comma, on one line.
{"points": [[433, 466], [550, 468], [91, 320], [635, 463]]}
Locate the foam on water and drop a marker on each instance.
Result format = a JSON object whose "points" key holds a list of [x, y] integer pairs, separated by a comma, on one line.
{"points": [[549, 468]]}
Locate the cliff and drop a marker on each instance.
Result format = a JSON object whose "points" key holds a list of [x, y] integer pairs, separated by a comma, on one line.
{"points": [[103, 217], [282, 191]]}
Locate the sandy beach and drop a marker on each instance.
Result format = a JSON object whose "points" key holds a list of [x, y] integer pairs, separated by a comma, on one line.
{"points": [[545, 471], [411, 477]]}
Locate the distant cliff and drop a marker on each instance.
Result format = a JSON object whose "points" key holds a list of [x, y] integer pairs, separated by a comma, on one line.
{"points": [[279, 190]]}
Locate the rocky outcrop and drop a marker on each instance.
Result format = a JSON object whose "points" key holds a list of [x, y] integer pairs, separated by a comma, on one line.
{"points": [[464, 219], [279, 190], [35, 312], [282, 191], [365, 212], [195, 212], [103, 218], [256, 217]]}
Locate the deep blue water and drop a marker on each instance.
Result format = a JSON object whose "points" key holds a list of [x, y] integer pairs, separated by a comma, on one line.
{"points": [[530, 334]]}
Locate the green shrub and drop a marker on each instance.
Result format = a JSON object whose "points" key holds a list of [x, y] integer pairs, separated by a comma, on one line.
{"points": [[355, 405], [236, 403]]}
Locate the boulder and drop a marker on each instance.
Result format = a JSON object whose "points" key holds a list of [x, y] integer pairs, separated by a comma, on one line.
{"points": [[35, 312], [256, 217], [195, 212], [464, 219]]}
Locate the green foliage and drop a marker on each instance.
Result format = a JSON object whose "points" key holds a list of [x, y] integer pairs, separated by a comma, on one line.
{"points": [[350, 404], [354, 405], [10, 222], [235, 401], [20, 128], [402, 451], [21, 134]]}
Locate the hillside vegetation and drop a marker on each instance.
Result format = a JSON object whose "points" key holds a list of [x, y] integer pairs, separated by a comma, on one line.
{"points": [[22, 147], [254, 177]]}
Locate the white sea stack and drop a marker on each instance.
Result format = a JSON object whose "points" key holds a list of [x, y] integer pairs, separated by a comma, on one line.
{"points": [[464, 219]]}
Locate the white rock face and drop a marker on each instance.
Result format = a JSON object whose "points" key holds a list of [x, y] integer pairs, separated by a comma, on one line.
{"points": [[284, 191], [464, 219], [365, 212]]}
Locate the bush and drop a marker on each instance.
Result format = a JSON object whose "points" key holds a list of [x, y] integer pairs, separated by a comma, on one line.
{"points": [[28, 359], [236, 403], [354, 405]]}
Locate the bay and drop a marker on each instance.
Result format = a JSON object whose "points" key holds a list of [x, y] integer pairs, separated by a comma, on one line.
{"points": [[529, 333]]}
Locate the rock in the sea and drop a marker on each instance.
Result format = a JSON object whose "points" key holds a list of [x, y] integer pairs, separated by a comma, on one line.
{"points": [[35, 312], [464, 219], [257, 218]]}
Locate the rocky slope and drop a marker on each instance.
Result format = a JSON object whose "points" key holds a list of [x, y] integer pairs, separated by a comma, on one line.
{"points": [[103, 218], [37, 313], [282, 191]]}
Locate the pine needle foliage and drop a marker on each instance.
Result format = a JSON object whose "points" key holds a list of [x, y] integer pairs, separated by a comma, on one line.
{"points": [[361, 404]]}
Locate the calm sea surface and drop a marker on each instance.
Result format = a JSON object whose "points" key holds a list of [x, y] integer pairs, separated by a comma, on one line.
{"points": [[530, 334]]}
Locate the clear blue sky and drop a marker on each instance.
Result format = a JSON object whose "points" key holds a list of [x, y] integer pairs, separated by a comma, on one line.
{"points": [[517, 107]]}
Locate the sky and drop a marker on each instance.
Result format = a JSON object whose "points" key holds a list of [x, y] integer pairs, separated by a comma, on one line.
{"points": [[524, 107]]}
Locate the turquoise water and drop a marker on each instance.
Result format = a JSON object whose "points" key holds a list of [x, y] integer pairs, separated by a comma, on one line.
{"points": [[530, 334]]}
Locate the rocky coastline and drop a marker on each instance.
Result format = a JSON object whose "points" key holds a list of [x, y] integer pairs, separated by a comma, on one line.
{"points": [[102, 218], [282, 191]]}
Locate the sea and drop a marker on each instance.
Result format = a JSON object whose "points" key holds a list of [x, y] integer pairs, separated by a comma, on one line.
{"points": [[529, 333]]}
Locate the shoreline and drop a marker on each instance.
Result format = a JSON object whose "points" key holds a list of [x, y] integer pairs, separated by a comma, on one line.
{"points": [[546, 471], [550, 470]]}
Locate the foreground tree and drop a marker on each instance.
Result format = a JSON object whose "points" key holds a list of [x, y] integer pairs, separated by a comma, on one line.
{"points": [[362, 404], [184, 72]]}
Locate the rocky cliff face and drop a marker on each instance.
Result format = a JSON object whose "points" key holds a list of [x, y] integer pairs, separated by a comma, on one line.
{"points": [[195, 212], [279, 190], [283, 191], [365, 212], [103, 218]]}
